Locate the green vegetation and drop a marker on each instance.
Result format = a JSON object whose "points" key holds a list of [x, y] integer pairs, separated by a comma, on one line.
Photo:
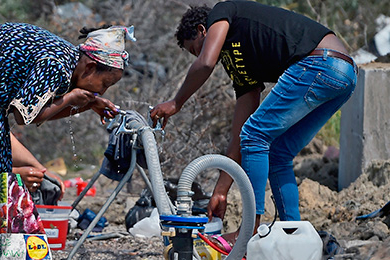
{"points": [[14, 10], [330, 132]]}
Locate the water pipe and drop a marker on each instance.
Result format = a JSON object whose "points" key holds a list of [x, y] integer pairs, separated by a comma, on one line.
{"points": [[240, 178], [148, 140]]}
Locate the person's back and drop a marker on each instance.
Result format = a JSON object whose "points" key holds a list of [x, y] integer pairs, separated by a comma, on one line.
{"points": [[27, 51], [262, 40]]}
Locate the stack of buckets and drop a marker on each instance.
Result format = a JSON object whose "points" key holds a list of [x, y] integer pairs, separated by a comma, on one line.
{"points": [[55, 221]]}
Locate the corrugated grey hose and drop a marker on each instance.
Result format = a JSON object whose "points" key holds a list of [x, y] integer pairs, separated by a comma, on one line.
{"points": [[152, 159], [240, 178]]}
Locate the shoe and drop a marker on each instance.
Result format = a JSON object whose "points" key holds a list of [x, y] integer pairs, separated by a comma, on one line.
{"points": [[330, 245]]}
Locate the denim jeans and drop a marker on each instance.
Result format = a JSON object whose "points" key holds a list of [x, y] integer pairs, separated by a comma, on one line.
{"points": [[306, 95]]}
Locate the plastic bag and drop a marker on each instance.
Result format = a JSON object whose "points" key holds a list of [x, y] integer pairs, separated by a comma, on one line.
{"points": [[18, 213], [143, 208], [147, 227]]}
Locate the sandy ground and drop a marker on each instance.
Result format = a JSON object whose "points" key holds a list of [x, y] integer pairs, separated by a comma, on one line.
{"points": [[327, 209]]}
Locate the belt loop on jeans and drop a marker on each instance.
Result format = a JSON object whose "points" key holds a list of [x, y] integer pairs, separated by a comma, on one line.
{"points": [[325, 55]]}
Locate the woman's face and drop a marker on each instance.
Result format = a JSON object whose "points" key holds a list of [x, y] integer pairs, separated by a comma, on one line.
{"points": [[99, 82], [90, 79]]}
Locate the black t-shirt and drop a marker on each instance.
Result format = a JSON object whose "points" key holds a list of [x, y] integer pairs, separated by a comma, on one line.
{"points": [[262, 41]]}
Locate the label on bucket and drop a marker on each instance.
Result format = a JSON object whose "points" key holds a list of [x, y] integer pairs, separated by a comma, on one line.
{"points": [[52, 233], [56, 231], [56, 246]]}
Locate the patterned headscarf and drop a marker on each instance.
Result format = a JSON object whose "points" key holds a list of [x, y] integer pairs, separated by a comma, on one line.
{"points": [[107, 46]]}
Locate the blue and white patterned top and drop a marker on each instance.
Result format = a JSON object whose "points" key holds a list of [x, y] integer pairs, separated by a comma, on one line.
{"points": [[35, 67]]}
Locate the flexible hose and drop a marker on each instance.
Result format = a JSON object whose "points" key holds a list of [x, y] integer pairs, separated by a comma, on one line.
{"points": [[155, 174], [240, 178]]}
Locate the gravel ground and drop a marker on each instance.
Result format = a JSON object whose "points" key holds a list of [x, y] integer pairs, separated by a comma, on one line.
{"points": [[328, 210]]}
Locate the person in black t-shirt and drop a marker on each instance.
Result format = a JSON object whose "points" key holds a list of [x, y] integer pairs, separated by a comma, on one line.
{"points": [[257, 43]]}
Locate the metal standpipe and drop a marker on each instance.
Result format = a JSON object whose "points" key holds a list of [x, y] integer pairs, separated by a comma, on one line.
{"points": [[182, 241]]}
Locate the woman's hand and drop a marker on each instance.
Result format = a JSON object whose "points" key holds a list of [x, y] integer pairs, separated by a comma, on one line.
{"points": [[31, 176], [104, 107], [79, 97]]}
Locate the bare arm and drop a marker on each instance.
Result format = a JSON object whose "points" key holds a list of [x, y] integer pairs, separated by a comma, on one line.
{"points": [[29, 168], [245, 106], [21, 156], [103, 107], [77, 97], [201, 69], [198, 73], [62, 107]]}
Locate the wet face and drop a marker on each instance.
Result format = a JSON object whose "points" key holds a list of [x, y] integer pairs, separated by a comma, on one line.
{"points": [[195, 46], [87, 77], [99, 82]]}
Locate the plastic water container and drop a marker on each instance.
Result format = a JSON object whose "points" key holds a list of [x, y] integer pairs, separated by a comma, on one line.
{"points": [[55, 222], [285, 241], [205, 251]]}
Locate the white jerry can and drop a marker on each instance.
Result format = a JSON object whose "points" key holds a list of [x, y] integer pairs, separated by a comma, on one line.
{"points": [[285, 240]]}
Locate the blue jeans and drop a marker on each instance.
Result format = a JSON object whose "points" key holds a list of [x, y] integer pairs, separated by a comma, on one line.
{"points": [[307, 94]]}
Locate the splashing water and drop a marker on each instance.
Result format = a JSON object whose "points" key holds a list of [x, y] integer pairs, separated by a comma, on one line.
{"points": [[71, 133], [128, 102]]}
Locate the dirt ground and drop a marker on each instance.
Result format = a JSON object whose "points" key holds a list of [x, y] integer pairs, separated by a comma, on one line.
{"points": [[320, 203]]}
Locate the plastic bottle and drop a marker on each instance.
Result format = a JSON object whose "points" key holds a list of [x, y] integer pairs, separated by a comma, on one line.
{"points": [[285, 240]]}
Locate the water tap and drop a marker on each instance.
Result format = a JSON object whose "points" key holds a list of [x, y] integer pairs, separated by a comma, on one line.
{"points": [[158, 128]]}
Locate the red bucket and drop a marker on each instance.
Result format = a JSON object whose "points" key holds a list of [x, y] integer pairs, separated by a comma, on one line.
{"points": [[81, 186], [55, 221]]}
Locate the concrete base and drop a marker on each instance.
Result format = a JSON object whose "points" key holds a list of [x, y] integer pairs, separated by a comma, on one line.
{"points": [[365, 123]]}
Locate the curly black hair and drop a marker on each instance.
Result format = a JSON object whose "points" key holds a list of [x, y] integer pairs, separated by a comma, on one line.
{"points": [[187, 29]]}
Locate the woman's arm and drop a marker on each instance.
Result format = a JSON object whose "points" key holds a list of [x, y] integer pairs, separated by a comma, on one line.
{"points": [[101, 106], [29, 168], [76, 98], [76, 101], [61, 107], [21, 156]]}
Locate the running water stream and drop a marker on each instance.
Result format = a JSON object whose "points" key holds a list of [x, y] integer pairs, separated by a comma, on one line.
{"points": [[71, 133]]}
